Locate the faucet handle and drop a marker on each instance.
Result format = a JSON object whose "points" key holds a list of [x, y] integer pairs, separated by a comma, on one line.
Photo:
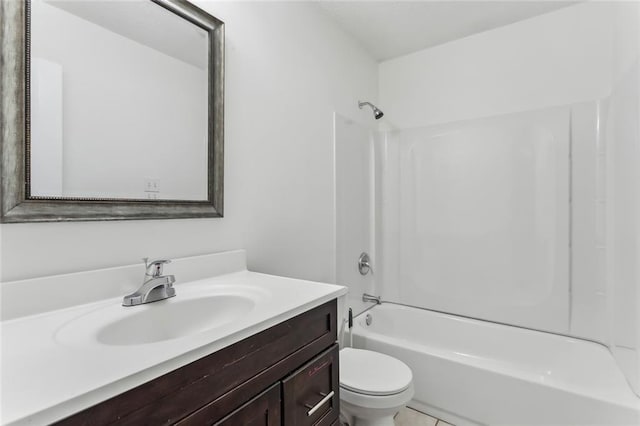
{"points": [[364, 264], [154, 267]]}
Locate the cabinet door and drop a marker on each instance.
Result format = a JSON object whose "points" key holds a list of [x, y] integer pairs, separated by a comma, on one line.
{"points": [[311, 395], [263, 410]]}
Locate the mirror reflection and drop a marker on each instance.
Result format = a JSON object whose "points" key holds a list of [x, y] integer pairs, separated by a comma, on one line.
{"points": [[119, 102]]}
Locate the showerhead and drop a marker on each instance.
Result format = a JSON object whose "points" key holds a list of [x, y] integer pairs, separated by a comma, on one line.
{"points": [[376, 111]]}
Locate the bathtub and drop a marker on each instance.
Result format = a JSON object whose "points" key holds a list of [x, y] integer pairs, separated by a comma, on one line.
{"points": [[471, 372]]}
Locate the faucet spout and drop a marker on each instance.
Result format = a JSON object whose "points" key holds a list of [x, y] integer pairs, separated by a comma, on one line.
{"points": [[155, 286], [371, 298]]}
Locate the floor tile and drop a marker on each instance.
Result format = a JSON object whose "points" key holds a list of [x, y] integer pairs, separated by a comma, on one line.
{"points": [[409, 417], [443, 423]]}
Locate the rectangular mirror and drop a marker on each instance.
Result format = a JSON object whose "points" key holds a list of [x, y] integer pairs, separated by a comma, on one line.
{"points": [[117, 110]]}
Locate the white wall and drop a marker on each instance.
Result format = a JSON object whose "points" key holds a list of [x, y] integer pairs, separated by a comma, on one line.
{"points": [[288, 67], [558, 58]]}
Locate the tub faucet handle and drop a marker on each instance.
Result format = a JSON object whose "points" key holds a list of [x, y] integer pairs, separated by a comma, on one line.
{"points": [[364, 264]]}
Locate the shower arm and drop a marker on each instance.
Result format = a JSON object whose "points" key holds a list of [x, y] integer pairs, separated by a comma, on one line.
{"points": [[377, 113]]}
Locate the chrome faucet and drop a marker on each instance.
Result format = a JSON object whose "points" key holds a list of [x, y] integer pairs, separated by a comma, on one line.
{"points": [[155, 285]]}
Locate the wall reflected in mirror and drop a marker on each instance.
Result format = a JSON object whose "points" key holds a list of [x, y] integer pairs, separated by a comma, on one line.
{"points": [[119, 102]]}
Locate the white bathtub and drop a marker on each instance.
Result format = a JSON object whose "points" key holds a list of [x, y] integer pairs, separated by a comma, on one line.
{"points": [[475, 372]]}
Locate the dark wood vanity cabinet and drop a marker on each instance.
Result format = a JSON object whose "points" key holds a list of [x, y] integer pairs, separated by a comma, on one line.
{"points": [[285, 375], [263, 410]]}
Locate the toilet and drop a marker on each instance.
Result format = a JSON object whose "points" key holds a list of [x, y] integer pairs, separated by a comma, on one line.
{"points": [[373, 387]]}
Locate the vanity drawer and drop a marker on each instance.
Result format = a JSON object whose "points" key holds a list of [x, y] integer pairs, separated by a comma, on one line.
{"points": [[311, 395], [263, 410]]}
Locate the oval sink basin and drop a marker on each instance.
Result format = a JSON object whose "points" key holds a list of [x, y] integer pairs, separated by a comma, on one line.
{"points": [[185, 315], [166, 321]]}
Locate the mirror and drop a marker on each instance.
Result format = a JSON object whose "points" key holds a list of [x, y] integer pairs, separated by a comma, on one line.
{"points": [[118, 103], [118, 114]]}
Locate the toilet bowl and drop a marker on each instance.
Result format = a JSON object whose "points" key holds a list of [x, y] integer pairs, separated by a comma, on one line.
{"points": [[373, 387]]}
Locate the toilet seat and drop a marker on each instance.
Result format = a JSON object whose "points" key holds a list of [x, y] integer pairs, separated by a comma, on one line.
{"points": [[371, 373]]}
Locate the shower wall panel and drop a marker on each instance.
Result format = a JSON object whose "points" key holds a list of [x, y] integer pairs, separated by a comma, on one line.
{"points": [[622, 155], [484, 218], [354, 206]]}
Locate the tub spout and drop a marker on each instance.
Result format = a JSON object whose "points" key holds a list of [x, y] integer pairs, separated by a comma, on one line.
{"points": [[370, 298]]}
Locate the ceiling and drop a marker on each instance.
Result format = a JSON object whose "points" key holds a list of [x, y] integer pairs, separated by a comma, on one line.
{"points": [[388, 29]]}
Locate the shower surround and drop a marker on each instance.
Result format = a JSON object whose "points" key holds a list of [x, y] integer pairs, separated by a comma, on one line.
{"points": [[506, 193]]}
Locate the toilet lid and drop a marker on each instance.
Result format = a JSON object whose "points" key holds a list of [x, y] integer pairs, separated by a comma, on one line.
{"points": [[373, 373]]}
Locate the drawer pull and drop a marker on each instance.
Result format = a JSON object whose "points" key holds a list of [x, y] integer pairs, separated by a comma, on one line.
{"points": [[316, 407]]}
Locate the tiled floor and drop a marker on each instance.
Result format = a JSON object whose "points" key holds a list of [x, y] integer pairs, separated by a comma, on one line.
{"points": [[409, 417]]}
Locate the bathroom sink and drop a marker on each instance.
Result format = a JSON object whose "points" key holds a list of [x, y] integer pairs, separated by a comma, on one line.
{"points": [[165, 321], [169, 319]]}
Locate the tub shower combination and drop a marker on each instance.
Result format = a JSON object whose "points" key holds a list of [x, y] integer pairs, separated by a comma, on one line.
{"points": [[490, 240]]}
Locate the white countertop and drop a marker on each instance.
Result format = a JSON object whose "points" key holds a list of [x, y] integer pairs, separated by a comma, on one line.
{"points": [[47, 376]]}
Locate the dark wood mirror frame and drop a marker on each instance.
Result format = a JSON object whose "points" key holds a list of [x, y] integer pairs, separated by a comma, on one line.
{"points": [[15, 203]]}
